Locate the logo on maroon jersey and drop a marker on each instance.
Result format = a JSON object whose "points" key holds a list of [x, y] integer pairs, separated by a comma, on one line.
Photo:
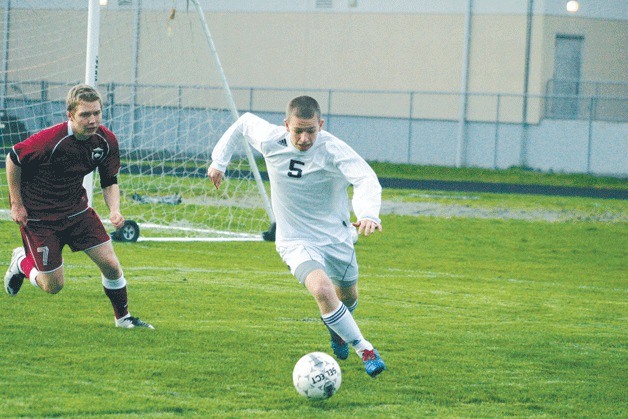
{"points": [[97, 154]]}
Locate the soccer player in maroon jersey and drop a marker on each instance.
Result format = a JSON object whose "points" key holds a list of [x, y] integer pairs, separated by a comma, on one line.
{"points": [[45, 176]]}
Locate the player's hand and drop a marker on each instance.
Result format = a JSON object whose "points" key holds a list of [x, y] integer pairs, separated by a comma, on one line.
{"points": [[216, 176], [19, 215], [367, 226], [116, 219]]}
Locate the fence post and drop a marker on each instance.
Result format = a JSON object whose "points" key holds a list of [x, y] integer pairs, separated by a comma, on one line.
{"points": [[590, 134], [496, 141], [329, 93], [111, 100], [177, 142], [45, 105], [410, 127]]}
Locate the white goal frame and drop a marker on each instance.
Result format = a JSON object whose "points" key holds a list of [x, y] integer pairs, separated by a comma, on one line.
{"points": [[91, 78]]}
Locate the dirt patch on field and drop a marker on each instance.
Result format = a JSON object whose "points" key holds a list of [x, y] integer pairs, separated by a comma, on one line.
{"points": [[430, 209], [443, 210]]}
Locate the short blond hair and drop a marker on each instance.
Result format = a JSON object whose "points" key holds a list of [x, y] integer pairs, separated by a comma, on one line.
{"points": [[304, 107], [81, 92]]}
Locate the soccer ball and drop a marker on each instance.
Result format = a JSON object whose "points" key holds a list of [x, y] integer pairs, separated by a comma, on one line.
{"points": [[317, 376]]}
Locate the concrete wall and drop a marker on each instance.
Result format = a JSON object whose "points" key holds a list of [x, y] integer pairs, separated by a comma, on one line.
{"points": [[369, 47], [280, 49]]}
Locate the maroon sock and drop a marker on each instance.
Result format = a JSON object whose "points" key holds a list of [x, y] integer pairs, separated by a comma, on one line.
{"points": [[27, 264], [119, 301]]}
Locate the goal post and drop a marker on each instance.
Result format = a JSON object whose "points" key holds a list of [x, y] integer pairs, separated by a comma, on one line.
{"points": [[91, 71], [167, 116]]}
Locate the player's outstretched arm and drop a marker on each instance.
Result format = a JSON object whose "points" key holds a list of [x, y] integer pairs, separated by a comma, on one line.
{"points": [[216, 176], [366, 226], [111, 194]]}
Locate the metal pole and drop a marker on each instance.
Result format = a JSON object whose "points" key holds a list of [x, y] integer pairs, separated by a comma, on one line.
{"points": [[5, 54], [410, 127], [179, 113], [93, 35], [91, 71], [496, 142], [134, 74], [526, 80], [328, 125], [234, 111], [590, 135], [111, 96], [464, 82]]}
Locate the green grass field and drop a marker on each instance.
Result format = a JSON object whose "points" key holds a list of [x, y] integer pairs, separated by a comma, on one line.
{"points": [[474, 317]]}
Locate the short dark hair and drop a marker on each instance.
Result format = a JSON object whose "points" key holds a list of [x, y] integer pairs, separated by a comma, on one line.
{"points": [[81, 92], [304, 107]]}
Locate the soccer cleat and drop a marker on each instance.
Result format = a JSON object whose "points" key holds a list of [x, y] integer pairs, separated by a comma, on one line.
{"points": [[373, 363], [131, 322], [339, 346], [14, 279]]}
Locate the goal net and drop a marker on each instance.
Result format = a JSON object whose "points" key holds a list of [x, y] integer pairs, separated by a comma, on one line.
{"points": [[164, 96]]}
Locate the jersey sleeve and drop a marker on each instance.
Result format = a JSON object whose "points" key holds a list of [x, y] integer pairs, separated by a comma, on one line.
{"points": [[367, 192], [253, 128], [110, 166], [30, 152]]}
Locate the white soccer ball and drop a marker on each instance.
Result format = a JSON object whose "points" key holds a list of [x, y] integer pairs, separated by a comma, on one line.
{"points": [[317, 376]]}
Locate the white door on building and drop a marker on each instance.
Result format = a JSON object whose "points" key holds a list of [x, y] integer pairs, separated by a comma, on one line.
{"points": [[567, 63]]}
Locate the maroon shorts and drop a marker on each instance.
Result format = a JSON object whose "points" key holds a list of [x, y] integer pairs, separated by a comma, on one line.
{"points": [[44, 240]]}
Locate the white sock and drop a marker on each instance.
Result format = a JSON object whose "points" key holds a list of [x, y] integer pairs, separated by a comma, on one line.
{"points": [[33, 277], [113, 284], [341, 321]]}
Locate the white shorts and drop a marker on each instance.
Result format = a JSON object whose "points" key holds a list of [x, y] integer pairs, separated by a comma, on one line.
{"points": [[337, 260]]}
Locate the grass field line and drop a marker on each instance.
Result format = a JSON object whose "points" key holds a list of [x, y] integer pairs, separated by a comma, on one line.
{"points": [[226, 275], [394, 272]]}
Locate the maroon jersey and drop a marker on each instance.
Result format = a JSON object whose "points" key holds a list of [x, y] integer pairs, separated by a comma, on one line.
{"points": [[53, 165]]}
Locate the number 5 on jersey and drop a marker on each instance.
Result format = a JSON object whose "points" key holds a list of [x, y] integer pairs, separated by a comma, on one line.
{"points": [[295, 171]]}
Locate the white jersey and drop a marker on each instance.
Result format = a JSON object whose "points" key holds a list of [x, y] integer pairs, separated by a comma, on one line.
{"points": [[308, 188]]}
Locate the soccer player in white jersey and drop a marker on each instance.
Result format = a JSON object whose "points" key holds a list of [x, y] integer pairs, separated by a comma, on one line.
{"points": [[310, 171]]}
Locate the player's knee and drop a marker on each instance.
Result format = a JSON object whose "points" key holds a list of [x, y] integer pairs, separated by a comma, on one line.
{"points": [[307, 269], [348, 294], [112, 270], [321, 288], [349, 302], [51, 287], [55, 289]]}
